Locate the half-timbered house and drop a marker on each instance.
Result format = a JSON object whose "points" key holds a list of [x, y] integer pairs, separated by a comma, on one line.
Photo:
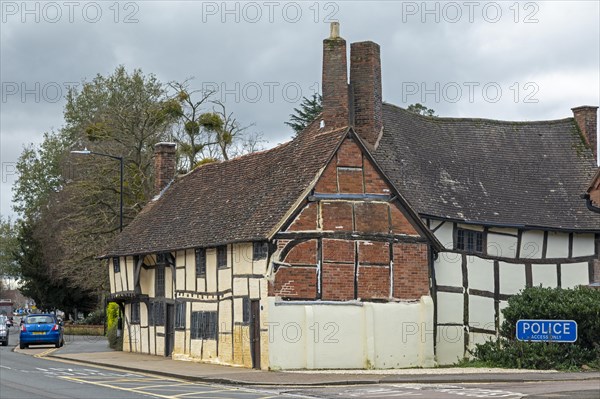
{"points": [[593, 194], [375, 238]]}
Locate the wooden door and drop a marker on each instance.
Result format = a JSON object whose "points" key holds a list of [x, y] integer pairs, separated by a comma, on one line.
{"points": [[255, 333]]}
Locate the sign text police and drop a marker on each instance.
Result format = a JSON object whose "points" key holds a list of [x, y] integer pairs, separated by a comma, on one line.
{"points": [[547, 330]]}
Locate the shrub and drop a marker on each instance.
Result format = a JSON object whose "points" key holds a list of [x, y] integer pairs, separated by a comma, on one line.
{"points": [[95, 318], [112, 317], [581, 304]]}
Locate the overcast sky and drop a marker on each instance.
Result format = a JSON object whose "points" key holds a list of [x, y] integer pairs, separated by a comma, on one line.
{"points": [[498, 60]]}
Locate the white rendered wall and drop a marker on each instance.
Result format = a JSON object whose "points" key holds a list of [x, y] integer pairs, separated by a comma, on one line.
{"points": [[351, 335]]}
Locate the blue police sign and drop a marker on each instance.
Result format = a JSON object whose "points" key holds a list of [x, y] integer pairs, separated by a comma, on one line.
{"points": [[547, 330]]}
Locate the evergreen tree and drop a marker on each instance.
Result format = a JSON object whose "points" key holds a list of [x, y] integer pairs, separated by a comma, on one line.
{"points": [[309, 109]]}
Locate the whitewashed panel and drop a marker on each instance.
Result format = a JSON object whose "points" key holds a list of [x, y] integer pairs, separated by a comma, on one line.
{"points": [[448, 270], [583, 245], [558, 245], [501, 245], [481, 312], [574, 274], [481, 273], [512, 278], [445, 235], [450, 307], [532, 244], [544, 275]]}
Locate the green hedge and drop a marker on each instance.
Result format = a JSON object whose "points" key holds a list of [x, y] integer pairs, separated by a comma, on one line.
{"points": [[581, 304]]}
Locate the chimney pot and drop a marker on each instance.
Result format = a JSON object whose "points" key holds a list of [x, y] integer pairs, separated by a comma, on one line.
{"points": [[165, 163], [586, 118], [334, 30]]}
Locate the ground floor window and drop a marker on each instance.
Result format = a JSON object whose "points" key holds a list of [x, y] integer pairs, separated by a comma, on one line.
{"points": [[204, 325], [180, 315], [135, 313]]}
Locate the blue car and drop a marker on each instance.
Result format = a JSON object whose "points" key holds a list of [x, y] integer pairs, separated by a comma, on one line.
{"points": [[41, 329]]}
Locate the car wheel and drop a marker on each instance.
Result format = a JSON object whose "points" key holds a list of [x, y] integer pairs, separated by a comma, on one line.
{"points": [[22, 345], [5, 343]]}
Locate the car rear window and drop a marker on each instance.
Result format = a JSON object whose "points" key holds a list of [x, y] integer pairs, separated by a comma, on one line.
{"points": [[39, 320]]}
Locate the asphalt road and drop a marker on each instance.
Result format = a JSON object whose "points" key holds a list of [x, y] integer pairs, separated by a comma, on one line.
{"points": [[28, 375]]}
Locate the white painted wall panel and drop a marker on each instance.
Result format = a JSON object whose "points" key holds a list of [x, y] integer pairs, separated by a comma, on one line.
{"points": [[450, 344], [340, 343], [445, 235], [512, 278], [481, 312], [583, 245], [544, 275], [531, 244], [190, 269], [501, 245], [481, 273], [574, 274], [381, 335], [242, 258], [448, 270], [450, 307], [558, 245], [211, 270]]}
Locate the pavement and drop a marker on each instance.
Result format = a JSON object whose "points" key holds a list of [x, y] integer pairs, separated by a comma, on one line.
{"points": [[95, 351]]}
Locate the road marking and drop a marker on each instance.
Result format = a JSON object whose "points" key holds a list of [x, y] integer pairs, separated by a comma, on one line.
{"points": [[75, 379], [5, 367], [45, 353]]}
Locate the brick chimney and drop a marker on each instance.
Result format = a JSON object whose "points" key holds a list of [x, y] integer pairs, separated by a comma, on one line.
{"points": [[365, 83], [586, 118], [164, 165], [335, 80]]}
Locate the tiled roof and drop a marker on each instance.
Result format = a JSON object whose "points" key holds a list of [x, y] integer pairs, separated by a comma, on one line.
{"points": [[529, 174], [243, 199]]}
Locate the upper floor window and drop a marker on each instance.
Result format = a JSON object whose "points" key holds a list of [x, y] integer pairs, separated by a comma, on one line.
{"points": [[200, 262], [222, 256], [260, 251], [161, 258], [116, 265], [159, 280], [469, 240]]}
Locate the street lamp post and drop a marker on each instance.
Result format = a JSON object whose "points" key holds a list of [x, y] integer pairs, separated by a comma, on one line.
{"points": [[85, 151]]}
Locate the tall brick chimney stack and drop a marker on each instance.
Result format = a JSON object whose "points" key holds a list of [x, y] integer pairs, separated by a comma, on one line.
{"points": [[335, 80], [586, 117], [365, 83], [164, 165]]}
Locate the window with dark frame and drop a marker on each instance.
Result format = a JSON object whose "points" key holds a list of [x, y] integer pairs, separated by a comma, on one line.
{"points": [[260, 251], [222, 256], [135, 313], [161, 258], [246, 310], [116, 265], [159, 313], [469, 240], [200, 262], [204, 325], [159, 280], [180, 315], [150, 307]]}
